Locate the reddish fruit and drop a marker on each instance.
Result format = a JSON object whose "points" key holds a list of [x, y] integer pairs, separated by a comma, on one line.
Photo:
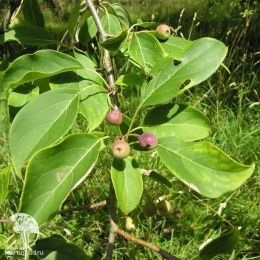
{"points": [[163, 32], [121, 149], [148, 140], [114, 117]]}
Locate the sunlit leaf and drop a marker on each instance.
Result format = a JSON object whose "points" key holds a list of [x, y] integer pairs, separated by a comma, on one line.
{"points": [[200, 60], [181, 121], [202, 166], [111, 24], [128, 183], [122, 15], [42, 122], [145, 50], [175, 46], [43, 63], [53, 172], [22, 95], [129, 80]]}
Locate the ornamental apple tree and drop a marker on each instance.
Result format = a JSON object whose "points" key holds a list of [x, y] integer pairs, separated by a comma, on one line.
{"points": [[76, 76]]}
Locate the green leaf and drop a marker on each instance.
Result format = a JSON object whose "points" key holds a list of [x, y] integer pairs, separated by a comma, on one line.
{"points": [[175, 46], [145, 50], [128, 183], [121, 13], [4, 181], [87, 31], [22, 95], [131, 79], [181, 121], [200, 60], [42, 122], [202, 166], [94, 105], [160, 179], [32, 13], [93, 97], [54, 172], [29, 35], [111, 24], [57, 248], [152, 25], [220, 245], [41, 64], [73, 19], [114, 44]]}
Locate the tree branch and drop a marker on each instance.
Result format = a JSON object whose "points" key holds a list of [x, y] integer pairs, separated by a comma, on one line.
{"points": [[107, 59], [13, 5], [92, 206], [141, 242], [113, 226]]}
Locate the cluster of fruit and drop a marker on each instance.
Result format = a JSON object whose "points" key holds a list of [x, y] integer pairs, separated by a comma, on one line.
{"points": [[150, 209], [121, 148]]}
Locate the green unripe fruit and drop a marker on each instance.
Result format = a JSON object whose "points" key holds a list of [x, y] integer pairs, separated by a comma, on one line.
{"points": [[114, 117], [121, 149], [130, 223], [149, 209], [163, 32], [164, 207]]}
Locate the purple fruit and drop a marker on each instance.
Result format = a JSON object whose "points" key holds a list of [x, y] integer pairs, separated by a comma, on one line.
{"points": [[114, 117], [163, 32], [120, 149], [148, 140]]}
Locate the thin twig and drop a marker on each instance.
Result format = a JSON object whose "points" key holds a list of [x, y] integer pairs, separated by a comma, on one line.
{"points": [[113, 226], [107, 59], [13, 5], [92, 206], [141, 242]]}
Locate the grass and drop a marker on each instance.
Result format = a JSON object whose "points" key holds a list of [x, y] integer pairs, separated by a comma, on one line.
{"points": [[231, 101]]}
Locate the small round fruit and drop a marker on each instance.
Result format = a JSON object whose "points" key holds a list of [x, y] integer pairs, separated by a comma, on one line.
{"points": [[149, 209], [148, 140], [130, 223], [164, 207], [121, 149], [163, 32], [114, 117]]}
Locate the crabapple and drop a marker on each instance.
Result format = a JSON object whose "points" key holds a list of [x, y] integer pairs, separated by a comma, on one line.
{"points": [[130, 224], [120, 149], [163, 32], [114, 117], [148, 140], [149, 209], [164, 207]]}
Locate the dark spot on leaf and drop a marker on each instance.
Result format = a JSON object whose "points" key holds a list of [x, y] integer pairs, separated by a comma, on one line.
{"points": [[148, 78], [184, 84], [176, 62]]}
